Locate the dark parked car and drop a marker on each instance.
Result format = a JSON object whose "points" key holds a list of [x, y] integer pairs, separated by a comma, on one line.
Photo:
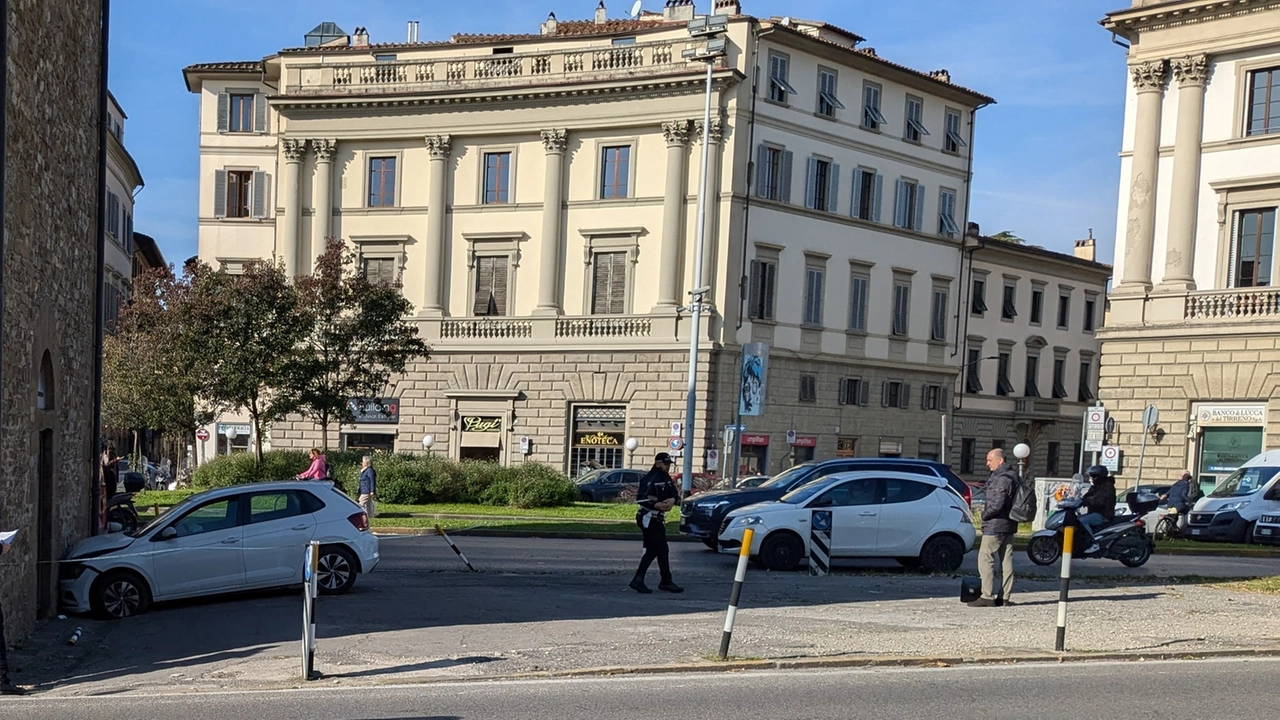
{"points": [[606, 484], [701, 516]]}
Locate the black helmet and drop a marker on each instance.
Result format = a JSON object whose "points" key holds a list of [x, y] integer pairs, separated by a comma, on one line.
{"points": [[1097, 472]]}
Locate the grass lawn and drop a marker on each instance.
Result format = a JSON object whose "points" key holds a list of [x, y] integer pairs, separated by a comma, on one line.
{"points": [[1264, 585]]}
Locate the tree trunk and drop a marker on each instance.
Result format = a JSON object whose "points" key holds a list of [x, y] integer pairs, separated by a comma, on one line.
{"points": [[257, 433], [324, 431]]}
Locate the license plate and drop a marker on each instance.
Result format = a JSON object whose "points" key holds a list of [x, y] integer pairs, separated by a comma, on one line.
{"points": [[1195, 532], [1264, 531], [1270, 519]]}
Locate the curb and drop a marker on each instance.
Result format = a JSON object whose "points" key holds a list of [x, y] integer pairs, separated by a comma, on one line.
{"points": [[566, 535]]}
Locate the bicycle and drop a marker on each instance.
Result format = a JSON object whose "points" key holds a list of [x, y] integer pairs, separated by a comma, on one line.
{"points": [[1167, 528]]}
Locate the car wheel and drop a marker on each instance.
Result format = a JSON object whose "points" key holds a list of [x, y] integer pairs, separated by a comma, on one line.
{"points": [[336, 570], [584, 497], [1248, 534], [711, 543], [910, 563], [781, 551], [941, 554], [119, 594], [1044, 550]]}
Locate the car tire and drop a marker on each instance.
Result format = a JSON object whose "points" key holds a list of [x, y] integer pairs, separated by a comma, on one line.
{"points": [[119, 594], [782, 551], [941, 554], [1248, 533], [336, 570], [711, 543], [1044, 550]]}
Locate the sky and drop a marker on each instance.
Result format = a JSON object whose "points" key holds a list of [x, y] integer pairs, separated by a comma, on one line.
{"points": [[1045, 156]]}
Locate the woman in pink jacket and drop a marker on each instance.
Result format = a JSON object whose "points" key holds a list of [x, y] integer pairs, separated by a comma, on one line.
{"points": [[317, 469]]}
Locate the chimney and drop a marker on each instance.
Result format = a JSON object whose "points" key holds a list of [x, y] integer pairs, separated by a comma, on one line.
{"points": [[868, 51], [602, 15], [1087, 249], [973, 230], [549, 27], [727, 7], [360, 38], [678, 11], [941, 76]]}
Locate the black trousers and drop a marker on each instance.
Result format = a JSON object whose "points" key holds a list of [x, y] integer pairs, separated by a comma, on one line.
{"points": [[4, 651], [655, 547]]}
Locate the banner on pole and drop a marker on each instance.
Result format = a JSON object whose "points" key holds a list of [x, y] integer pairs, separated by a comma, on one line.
{"points": [[753, 380]]}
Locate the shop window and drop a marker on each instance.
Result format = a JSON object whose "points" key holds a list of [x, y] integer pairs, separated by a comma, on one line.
{"points": [[599, 437]]}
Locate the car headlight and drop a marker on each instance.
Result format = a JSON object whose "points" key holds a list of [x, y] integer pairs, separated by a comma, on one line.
{"points": [[747, 521], [1240, 505]]}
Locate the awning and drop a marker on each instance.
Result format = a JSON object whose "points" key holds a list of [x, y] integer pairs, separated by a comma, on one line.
{"points": [[481, 439]]}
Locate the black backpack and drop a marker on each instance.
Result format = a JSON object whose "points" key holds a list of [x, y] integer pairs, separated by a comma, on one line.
{"points": [[1023, 507], [328, 471]]}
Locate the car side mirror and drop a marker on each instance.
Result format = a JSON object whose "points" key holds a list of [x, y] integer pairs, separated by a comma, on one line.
{"points": [[168, 533]]}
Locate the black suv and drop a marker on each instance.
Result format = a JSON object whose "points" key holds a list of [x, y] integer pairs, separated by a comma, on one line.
{"points": [[605, 485], [701, 515]]}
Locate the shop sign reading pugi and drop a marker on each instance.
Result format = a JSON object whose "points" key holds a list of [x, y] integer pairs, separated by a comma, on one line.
{"points": [[475, 424], [599, 439], [379, 411]]}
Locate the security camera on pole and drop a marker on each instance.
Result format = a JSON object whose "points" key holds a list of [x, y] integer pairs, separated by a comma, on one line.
{"points": [[710, 28]]}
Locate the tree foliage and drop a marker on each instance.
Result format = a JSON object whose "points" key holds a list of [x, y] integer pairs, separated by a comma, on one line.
{"points": [[357, 339], [1009, 237]]}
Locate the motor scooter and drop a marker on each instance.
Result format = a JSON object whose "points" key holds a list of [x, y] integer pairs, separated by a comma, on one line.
{"points": [[1125, 539], [122, 515]]}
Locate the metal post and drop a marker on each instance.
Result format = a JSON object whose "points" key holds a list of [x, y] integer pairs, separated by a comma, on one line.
{"points": [[743, 555], [943, 452], [456, 551], [1142, 454], [695, 326], [1084, 425], [1064, 587], [310, 589], [735, 451], [96, 507]]}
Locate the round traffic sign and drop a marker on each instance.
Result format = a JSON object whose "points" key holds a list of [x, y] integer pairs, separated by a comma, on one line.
{"points": [[202, 435], [1097, 416], [1110, 452], [675, 443]]}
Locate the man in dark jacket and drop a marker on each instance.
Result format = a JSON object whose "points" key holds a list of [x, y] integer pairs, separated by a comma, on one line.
{"points": [[656, 495], [1099, 502], [997, 532], [1179, 499]]}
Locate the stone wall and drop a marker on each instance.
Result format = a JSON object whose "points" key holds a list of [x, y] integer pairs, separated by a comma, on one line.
{"points": [[1174, 373], [50, 260]]}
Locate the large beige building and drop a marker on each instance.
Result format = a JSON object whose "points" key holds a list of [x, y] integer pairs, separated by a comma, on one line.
{"points": [[535, 196], [1029, 356], [1194, 324]]}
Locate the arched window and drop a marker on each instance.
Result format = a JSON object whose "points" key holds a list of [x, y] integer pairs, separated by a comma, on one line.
{"points": [[44, 383]]}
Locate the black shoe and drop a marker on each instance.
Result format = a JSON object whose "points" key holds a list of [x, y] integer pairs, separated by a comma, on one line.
{"points": [[638, 585], [668, 586], [8, 688], [1001, 602], [982, 602]]}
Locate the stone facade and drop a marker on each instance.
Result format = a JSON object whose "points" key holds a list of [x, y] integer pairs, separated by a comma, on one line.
{"points": [[47, 450]]}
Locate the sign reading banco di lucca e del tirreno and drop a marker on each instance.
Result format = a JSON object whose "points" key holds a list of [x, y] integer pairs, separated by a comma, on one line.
{"points": [[477, 424]]}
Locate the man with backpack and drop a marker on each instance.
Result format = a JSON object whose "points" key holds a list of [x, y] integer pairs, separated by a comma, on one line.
{"points": [[998, 530]]}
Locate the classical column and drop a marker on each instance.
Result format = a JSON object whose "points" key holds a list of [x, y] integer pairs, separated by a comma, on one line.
{"points": [[1148, 81], [673, 201], [433, 283], [322, 202], [295, 151], [554, 142], [712, 189], [1190, 72]]}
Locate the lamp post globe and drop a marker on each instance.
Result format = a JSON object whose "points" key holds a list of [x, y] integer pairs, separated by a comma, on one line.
{"points": [[428, 441], [1021, 451], [631, 446]]}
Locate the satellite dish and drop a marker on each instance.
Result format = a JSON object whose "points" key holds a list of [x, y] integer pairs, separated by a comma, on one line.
{"points": [[635, 9]]}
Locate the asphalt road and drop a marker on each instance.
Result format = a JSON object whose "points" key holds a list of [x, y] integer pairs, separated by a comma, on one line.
{"points": [[1134, 691], [538, 556]]}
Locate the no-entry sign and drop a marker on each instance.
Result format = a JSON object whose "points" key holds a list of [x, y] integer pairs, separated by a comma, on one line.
{"points": [[202, 435]]}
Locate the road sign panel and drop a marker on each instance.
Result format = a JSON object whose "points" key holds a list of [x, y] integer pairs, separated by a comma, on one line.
{"points": [[202, 435], [1095, 428], [1111, 458], [791, 437], [675, 443], [713, 460], [1150, 417], [677, 428]]}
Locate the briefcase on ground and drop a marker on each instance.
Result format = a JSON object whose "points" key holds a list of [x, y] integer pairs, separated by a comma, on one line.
{"points": [[970, 589]]}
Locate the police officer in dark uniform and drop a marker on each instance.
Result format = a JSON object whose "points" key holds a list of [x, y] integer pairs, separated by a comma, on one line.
{"points": [[657, 494]]}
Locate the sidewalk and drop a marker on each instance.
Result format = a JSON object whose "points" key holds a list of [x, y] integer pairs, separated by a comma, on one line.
{"points": [[419, 619]]}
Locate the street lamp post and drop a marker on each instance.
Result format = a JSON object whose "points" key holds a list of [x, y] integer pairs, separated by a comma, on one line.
{"points": [[1021, 451], [427, 442], [712, 28], [632, 444]]}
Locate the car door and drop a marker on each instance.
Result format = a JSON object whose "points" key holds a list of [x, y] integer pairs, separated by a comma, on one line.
{"points": [[855, 516], [276, 536], [610, 486], [207, 553], [908, 512]]}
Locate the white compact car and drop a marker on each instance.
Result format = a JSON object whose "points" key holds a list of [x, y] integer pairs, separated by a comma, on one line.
{"points": [[222, 541], [916, 519]]}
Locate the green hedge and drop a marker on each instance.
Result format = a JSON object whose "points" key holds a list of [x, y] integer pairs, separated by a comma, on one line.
{"points": [[405, 479]]}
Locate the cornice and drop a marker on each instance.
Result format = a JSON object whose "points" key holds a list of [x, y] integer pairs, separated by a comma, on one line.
{"points": [[1168, 13]]}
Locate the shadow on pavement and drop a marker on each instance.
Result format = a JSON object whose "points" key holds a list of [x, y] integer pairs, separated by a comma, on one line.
{"points": [[415, 667], [1094, 598]]}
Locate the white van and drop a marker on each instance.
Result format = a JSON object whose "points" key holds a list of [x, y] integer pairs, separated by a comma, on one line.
{"points": [[1230, 512]]}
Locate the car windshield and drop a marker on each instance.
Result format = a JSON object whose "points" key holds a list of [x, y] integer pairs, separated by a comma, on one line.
{"points": [[786, 477], [591, 476], [804, 492], [1244, 481]]}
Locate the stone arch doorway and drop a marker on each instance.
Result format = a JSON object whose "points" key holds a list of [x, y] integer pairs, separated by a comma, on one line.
{"points": [[45, 485]]}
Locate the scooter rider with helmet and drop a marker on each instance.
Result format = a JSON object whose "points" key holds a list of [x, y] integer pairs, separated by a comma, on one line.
{"points": [[1099, 503]]}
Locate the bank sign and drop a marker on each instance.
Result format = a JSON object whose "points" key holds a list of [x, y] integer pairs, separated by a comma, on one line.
{"points": [[374, 411], [1209, 415]]}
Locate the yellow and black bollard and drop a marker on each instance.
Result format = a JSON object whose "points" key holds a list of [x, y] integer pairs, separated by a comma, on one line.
{"points": [[743, 556], [1068, 545]]}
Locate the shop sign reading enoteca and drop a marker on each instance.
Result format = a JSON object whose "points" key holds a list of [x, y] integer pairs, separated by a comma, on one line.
{"points": [[476, 424], [598, 439], [1209, 415]]}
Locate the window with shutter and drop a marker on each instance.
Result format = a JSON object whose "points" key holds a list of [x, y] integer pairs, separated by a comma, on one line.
{"points": [[938, 329], [866, 198], [915, 129], [1064, 311], [859, 292], [1037, 305], [1009, 304], [808, 388], [852, 391], [954, 140], [380, 271], [1032, 388], [871, 117], [1059, 378], [1085, 393], [828, 101], [978, 303], [904, 396], [239, 193], [973, 371], [763, 276], [813, 292], [947, 225], [260, 195], [1003, 385], [491, 286], [609, 283], [779, 87], [1090, 311], [901, 308]]}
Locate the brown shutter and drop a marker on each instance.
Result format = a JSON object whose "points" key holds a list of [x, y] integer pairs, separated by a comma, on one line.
{"points": [[753, 304], [499, 286], [483, 299], [770, 276], [609, 283]]}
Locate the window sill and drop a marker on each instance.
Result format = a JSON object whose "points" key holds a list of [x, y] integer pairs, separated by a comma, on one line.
{"points": [[830, 118], [978, 314], [780, 104], [614, 200], [900, 337], [1034, 323], [875, 130], [382, 208], [952, 153], [855, 332], [917, 143], [241, 219], [937, 343], [1064, 327], [763, 321], [812, 327], [1008, 319]]}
